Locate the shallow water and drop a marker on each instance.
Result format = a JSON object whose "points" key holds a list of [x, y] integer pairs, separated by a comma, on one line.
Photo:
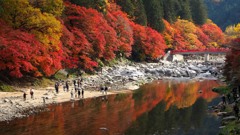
{"points": [[160, 108]]}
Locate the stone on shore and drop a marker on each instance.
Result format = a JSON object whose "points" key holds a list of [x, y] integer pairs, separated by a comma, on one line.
{"points": [[229, 118]]}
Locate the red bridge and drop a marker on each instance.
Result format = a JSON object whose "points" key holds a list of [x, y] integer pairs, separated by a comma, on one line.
{"points": [[207, 51], [208, 54]]}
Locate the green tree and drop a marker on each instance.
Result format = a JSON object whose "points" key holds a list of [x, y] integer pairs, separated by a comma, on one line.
{"points": [[183, 9], [99, 5], [127, 6], [169, 13], [135, 10], [140, 16], [198, 10], [54, 7], [154, 11]]}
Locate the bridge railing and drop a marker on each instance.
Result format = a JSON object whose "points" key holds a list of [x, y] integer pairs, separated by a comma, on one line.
{"points": [[218, 50]]}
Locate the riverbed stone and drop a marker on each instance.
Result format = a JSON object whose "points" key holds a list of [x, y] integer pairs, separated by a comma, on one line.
{"points": [[229, 118]]}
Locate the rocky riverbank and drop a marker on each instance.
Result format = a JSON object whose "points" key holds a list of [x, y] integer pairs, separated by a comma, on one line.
{"points": [[124, 76], [230, 123], [135, 74]]}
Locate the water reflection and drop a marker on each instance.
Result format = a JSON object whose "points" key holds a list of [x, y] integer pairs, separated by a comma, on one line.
{"points": [[164, 107]]}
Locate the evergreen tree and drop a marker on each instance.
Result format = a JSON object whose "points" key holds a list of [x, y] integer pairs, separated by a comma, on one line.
{"points": [[135, 9], [99, 5], [127, 6], [140, 13], [183, 9], [169, 13], [85, 3], [154, 11], [198, 10]]}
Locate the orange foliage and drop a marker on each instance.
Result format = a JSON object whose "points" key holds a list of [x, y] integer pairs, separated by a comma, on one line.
{"points": [[173, 37], [215, 34], [188, 31]]}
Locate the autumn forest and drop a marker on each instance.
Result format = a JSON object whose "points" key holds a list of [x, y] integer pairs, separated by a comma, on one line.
{"points": [[40, 37]]}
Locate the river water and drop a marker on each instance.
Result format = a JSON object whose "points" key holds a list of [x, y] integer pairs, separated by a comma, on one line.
{"points": [[159, 108]]}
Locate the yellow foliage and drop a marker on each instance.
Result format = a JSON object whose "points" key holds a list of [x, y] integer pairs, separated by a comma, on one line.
{"points": [[12, 11], [237, 28], [168, 40], [186, 26], [213, 44], [20, 14], [188, 30], [233, 31]]}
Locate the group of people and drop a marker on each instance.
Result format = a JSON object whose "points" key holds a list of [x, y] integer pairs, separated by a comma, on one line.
{"points": [[25, 94], [78, 88], [104, 89], [77, 84], [77, 91]]}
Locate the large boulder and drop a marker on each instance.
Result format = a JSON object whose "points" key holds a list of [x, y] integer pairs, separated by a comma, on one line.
{"points": [[191, 73], [196, 69]]}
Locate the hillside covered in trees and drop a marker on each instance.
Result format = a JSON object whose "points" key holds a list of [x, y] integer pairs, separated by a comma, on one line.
{"points": [[224, 12], [40, 37]]}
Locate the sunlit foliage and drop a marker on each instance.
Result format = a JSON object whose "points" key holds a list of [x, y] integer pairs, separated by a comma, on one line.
{"points": [[40, 37], [215, 34]]}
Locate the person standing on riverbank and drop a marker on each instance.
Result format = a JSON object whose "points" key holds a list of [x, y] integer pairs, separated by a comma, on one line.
{"points": [[67, 86], [56, 87], [105, 90], [82, 93], [236, 110], [229, 98], [79, 93], [72, 94], [102, 89], [224, 99], [78, 82], [24, 96], [31, 93], [74, 83], [234, 93]]}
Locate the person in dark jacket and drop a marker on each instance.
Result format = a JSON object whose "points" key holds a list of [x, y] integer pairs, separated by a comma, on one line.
{"points": [[24, 96], [67, 86], [224, 99], [105, 90], [31, 93], [236, 110], [82, 93], [56, 87]]}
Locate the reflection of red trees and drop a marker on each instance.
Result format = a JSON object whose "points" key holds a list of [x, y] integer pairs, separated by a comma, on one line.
{"points": [[88, 116]]}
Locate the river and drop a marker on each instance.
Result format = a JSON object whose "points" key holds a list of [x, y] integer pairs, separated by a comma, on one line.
{"points": [[163, 107]]}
